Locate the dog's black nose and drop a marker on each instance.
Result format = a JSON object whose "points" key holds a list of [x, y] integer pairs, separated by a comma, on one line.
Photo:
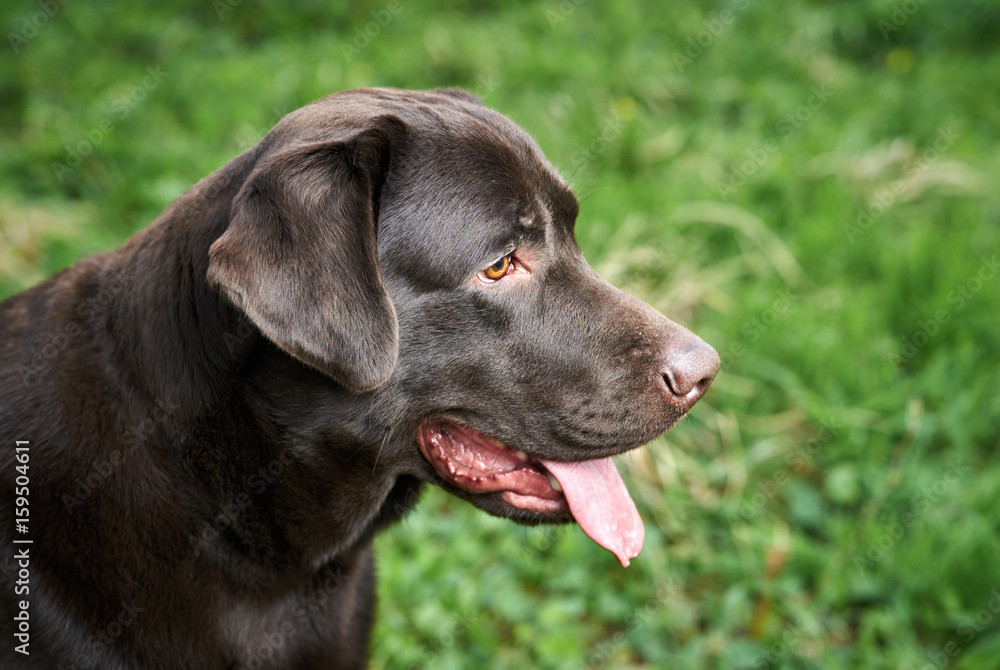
{"points": [[688, 373]]}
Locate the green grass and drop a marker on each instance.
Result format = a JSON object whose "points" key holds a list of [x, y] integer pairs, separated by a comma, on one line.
{"points": [[806, 514]]}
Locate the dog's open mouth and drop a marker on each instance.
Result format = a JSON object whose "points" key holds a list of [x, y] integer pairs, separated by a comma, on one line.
{"points": [[592, 491]]}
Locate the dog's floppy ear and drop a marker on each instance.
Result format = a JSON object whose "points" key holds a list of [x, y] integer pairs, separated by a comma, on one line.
{"points": [[300, 255]]}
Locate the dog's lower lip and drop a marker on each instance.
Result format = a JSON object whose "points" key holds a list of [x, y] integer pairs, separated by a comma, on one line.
{"points": [[535, 504]]}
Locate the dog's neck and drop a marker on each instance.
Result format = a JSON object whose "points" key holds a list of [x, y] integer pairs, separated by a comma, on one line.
{"points": [[234, 401], [165, 312]]}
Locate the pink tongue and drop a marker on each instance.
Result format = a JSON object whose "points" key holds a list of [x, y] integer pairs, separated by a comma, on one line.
{"points": [[600, 503]]}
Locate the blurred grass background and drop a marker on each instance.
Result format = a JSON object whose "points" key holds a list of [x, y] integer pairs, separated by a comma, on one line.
{"points": [[811, 187]]}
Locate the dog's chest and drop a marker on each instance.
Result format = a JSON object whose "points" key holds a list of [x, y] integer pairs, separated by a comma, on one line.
{"points": [[326, 620], [260, 639]]}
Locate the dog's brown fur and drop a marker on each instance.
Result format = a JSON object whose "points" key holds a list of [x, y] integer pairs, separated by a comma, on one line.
{"points": [[222, 412]]}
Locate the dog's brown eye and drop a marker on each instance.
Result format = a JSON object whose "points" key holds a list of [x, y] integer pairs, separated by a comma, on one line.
{"points": [[498, 269]]}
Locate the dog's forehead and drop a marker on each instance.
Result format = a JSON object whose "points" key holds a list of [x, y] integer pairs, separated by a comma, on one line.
{"points": [[467, 187], [478, 172]]}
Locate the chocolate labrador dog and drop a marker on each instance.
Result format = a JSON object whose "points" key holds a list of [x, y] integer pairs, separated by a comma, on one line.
{"points": [[204, 429]]}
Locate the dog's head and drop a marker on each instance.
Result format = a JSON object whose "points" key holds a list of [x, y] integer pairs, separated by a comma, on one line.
{"points": [[418, 247]]}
